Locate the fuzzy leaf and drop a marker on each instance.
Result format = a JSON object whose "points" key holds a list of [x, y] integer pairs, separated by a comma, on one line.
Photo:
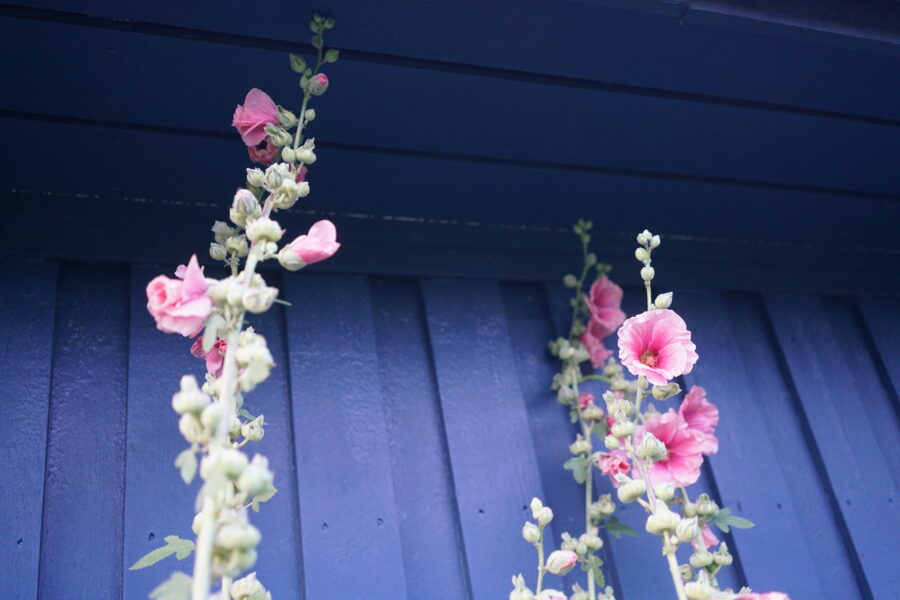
{"points": [[724, 520], [298, 65], [174, 545], [618, 528], [186, 461], [210, 333], [331, 55], [176, 587], [579, 466]]}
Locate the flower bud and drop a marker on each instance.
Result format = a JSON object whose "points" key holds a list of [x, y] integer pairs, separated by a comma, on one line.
{"points": [[221, 231], [592, 413], [647, 273], [662, 520], [248, 588], [259, 300], [286, 117], [631, 490], [696, 590], [256, 478], [253, 430], [217, 251], [545, 515], [641, 254], [722, 557], [701, 558], [234, 429], [317, 84], [211, 416], [288, 154], [245, 202], [611, 442], [663, 300], [273, 179], [580, 446], [255, 178], [665, 491], [570, 281], [550, 594], [686, 572], [664, 392], [651, 448], [305, 155], [189, 399], [197, 523], [238, 536], [605, 505], [237, 245], [591, 540], [536, 505], [706, 506], [688, 529], [643, 238], [531, 533], [264, 229], [654, 241], [622, 428], [190, 427], [561, 562], [310, 114]]}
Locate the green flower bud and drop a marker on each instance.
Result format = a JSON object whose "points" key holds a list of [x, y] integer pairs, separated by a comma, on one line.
{"points": [[701, 559], [688, 529], [662, 520], [544, 516], [665, 491], [631, 490], [248, 588], [650, 448], [641, 254], [531, 532], [253, 430], [696, 590], [664, 392], [612, 442], [192, 429], [663, 300], [561, 562], [706, 506], [687, 573]]}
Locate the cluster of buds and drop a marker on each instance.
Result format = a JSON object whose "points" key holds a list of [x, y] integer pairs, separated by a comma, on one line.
{"points": [[254, 359], [229, 241], [198, 412]]}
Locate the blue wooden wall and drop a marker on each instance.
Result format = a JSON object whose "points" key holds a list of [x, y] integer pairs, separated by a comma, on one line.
{"points": [[411, 416]]}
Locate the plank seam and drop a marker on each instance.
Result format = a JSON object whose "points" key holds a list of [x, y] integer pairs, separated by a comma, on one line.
{"points": [[877, 359], [147, 28]]}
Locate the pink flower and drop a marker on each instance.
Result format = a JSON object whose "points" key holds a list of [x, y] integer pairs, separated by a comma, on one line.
{"points": [[684, 450], [604, 302], [180, 305], [318, 84], [264, 152], [592, 339], [709, 538], [702, 417], [657, 345], [215, 358], [301, 176], [251, 119], [320, 243], [766, 596], [613, 463], [584, 400]]}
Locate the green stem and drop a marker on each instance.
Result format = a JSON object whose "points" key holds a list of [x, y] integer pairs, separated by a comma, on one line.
{"points": [[676, 574], [596, 378], [579, 293], [540, 566]]}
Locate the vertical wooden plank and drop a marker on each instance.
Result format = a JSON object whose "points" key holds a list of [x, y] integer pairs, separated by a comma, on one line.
{"points": [[882, 321], [494, 464], [156, 363], [833, 403], [530, 329], [81, 545], [348, 514], [748, 468], [27, 307], [423, 484]]}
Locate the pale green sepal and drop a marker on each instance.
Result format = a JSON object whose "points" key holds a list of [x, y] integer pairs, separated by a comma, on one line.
{"points": [[174, 545], [264, 497], [176, 587], [210, 333], [186, 461]]}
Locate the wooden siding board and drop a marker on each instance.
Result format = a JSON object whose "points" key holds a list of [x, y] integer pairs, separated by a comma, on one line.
{"points": [[491, 449], [348, 513], [698, 53], [742, 468], [81, 542], [433, 553], [27, 309], [843, 431], [423, 110], [881, 316]]}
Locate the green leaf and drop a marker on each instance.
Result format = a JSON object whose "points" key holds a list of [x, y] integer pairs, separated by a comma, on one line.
{"points": [[579, 466], [331, 55], [174, 545], [212, 329], [176, 587], [724, 520], [298, 65], [316, 27], [316, 42], [618, 528], [244, 413], [187, 462]]}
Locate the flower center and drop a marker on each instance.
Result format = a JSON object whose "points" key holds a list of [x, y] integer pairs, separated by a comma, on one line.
{"points": [[649, 358]]}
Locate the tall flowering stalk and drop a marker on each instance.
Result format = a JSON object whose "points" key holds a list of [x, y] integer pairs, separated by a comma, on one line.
{"points": [[650, 457], [213, 418]]}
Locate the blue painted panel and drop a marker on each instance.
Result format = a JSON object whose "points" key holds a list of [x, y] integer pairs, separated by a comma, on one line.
{"points": [[27, 310], [690, 49], [882, 322], [835, 403], [384, 105], [492, 454], [433, 556], [348, 513], [81, 543]]}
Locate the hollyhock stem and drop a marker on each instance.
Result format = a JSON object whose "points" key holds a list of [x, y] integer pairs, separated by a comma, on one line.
{"points": [[540, 566], [676, 575], [588, 499]]}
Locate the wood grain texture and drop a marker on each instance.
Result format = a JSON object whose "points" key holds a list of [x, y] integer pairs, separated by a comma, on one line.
{"points": [[28, 311]]}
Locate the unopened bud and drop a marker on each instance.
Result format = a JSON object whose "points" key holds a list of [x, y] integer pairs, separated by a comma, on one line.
{"points": [[664, 392], [651, 448], [259, 300], [255, 178], [237, 245], [286, 117], [688, 529], [531, 532], [189, 399], [686, 572], [238, 536], [654, 241], [264, 229], [217, 251], [663, 300], [705, 506], [722, 556], [643, 238], [641, 254], [545, 515], [665, 491], [561, 562], [647, 273], [536, 505], [305, 155], [662, 520], [580, 446], [591, 540], [631, 490], [696, 590], [253, 430], [288, 155], [605, 505], [622, 428], [611, 442], [570, 281], [310, 114], [701, 559]]}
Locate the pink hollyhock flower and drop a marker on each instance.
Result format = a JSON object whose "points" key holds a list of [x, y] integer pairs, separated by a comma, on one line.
{"points": [[604, 302], [584, 400], [318, 84], [264, 152], [612, 464], [317, 245], [766, 596], [657, 345], [215, 358], [701, 416], [592, 339], [180, 305], [301, 176], [251, 119], [684, 446], [709, 538]]}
